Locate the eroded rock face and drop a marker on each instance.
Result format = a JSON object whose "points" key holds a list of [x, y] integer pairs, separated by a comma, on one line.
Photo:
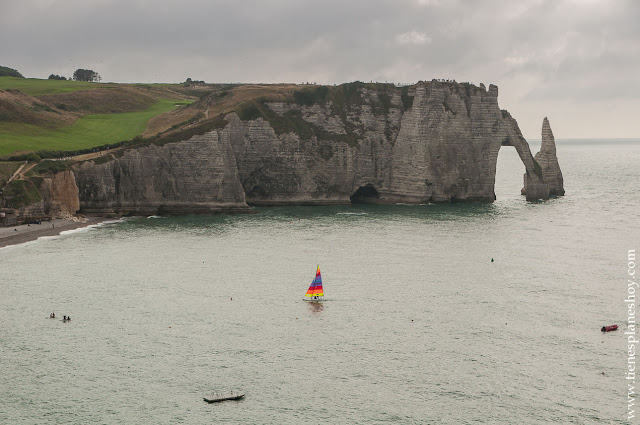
{"points": [[195, 176], [443, 147], [431, 142], [60, 195], [59, 198], [535, 186], [549, 161]]}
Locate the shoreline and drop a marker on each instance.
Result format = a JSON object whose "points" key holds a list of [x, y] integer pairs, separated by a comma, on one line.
{"points": [[17, 235]]}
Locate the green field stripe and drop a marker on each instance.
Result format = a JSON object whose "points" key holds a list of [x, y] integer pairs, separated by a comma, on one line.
{"points": [[86, 132], [39, 87]]}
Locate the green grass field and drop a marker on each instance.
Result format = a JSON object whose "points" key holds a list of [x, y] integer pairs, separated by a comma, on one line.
{"points": [[37, 87], [87, 132]]}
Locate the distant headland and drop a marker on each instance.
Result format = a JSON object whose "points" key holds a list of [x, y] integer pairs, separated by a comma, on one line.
{"points": [[209, 148]]}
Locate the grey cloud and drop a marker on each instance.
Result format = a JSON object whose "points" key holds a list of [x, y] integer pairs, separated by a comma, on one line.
{"points": [[553, 48]]}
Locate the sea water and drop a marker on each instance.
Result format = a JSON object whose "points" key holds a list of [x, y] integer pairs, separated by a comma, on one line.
{"points": [[419, 325]]}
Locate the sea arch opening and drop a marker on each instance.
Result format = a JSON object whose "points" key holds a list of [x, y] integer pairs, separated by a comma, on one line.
{"points": [[366, 194], [509, 171]]}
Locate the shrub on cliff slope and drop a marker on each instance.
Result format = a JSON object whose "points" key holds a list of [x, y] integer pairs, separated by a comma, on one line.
{"points": [[195, 130], [290, 122], [29, 156], [20, 193], [407, 101], [49, 167], [6, 170], [311, 96], [346, 96]]}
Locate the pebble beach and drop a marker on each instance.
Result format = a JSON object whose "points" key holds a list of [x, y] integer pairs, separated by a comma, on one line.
{"points": [[15, 235]]}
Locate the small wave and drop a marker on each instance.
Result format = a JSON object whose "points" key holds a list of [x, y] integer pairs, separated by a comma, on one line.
{"points": [[89, 227], [155, 216], [352, 213], [67, 232], [120, 220], [72, 231], [20, 244]]}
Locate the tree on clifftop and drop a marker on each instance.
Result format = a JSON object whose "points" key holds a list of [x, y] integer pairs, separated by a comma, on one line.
{"points": [[9, 72], [86, 75]]}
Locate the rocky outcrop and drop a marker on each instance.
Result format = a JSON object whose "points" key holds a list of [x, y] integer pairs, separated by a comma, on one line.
{"points": [[549, 161], [535, 186], [60, 195], [431, 142], [194, 176], [439, 146]]}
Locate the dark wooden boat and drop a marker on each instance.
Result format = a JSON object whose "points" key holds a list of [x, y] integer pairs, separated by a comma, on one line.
{"points": [[609, 328], [224, 397]]}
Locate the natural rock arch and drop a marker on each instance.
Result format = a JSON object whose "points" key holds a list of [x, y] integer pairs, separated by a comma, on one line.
{"points": [[434, 142], [535, 185]]}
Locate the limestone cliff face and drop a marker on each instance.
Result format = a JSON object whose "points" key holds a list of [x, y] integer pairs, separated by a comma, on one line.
{"points": [[431, 142], [195, 176], [442, 146], [59, 197]]}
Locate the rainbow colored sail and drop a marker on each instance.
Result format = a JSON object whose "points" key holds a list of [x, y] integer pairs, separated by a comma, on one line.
{"points": [[315, 291]]}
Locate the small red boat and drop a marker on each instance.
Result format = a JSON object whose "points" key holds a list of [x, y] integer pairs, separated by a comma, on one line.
{"points": [[609, 328]]}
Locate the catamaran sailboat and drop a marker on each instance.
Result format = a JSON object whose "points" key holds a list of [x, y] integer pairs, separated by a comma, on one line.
{"points": [[315, 292]]}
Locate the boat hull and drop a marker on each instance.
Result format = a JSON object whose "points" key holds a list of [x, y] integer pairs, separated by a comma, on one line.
{"points": [[609, 328], [224, 398], [314, 299]]}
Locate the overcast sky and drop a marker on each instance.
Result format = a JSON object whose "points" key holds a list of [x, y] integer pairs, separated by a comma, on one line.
{"points": [[575, 61]]}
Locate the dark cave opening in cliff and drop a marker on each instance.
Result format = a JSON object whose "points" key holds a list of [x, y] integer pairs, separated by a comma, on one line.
{"points": [[367, 194], [509, 175]]}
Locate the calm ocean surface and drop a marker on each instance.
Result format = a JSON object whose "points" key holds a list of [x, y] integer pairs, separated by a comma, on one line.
{"points": [[419, 326]]}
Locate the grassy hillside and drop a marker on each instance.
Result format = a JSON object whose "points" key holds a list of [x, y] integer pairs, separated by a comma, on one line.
{"points": [[57, 115], [72, 116], [36, 87], [88, 131], [54, 115], [6, 169], [19, 108]]}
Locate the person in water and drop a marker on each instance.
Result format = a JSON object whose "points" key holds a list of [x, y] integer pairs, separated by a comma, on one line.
{"points": [[64, 318]]}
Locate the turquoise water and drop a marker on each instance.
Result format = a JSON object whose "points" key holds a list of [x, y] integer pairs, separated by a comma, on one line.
{"points": [[419, 325]]}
